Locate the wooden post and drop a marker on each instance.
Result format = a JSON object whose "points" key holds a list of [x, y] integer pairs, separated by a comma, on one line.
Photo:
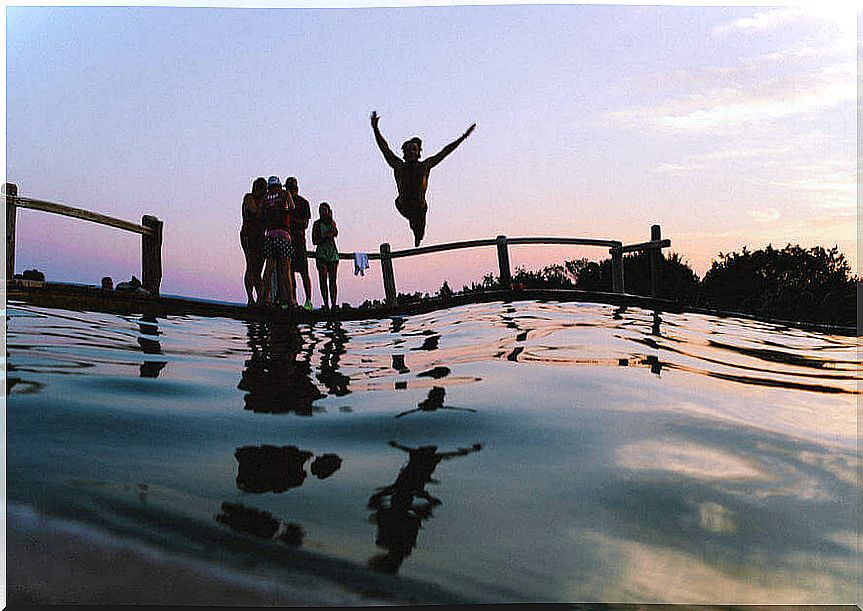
{"points": [[11, 190], [389, 276], [617, 270], [655, 253], [151, 254], [503, 263]]}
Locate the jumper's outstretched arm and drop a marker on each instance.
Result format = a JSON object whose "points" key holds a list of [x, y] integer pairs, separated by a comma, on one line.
{"points": [[389, 156], [449, 148]]}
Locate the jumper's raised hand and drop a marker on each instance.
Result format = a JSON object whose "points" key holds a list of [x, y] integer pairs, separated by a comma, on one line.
{"points": [[375, 118], [469, 130]]}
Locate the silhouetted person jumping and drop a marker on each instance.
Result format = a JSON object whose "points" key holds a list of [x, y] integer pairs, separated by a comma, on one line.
{"points": [[412, 176]]}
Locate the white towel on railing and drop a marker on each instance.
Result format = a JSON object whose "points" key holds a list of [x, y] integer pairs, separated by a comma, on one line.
{"points": [[361, 263]]}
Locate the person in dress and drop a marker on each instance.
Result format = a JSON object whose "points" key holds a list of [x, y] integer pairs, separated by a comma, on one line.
{"points": [[324, 232]]}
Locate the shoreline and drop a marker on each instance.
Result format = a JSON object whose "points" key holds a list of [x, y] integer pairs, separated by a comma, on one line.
{"points": [[50, 561]]}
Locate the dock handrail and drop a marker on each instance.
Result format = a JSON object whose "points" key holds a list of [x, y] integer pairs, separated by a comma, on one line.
{"points": [[150, 231], [616, 250], [78, 213]]}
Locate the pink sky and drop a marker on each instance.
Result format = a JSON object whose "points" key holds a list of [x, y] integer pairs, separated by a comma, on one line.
{"points": [[740, 129]]}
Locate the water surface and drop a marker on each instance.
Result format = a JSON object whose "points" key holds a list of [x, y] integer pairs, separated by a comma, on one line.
{"points": [[496, 452]]}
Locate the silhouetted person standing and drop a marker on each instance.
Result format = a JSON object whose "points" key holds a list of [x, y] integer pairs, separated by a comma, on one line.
{"points": [[412, 176]]}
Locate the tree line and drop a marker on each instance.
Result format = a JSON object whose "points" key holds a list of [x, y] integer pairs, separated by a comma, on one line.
{"points": [[794, 283]]}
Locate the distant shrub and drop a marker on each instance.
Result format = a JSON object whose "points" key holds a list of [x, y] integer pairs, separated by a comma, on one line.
{"points": [[675, 279], [794, 283]]}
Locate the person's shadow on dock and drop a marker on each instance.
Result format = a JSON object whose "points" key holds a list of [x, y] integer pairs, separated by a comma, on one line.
{"points": [[276, 381], [396, 515]]}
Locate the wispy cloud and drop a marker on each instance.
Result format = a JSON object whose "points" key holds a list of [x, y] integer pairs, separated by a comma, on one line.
{"points": [[767, 20], [723, 109], [844, 17], [766, 215]]}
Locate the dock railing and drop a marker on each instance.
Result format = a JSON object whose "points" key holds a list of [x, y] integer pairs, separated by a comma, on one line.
{"points": [[150, 230], [616, 249]]}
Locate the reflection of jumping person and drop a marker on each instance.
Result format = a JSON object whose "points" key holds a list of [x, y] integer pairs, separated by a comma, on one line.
{"points": [[412, 176], [399, 521]]}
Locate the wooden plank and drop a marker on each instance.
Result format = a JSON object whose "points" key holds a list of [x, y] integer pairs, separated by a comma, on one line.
{"points": [[78, 213], [503, 262], [655, 236], [11, 219], [151, 254], [646, 245], [617, 271], [570, 241], [389, 275], [424, 250]]}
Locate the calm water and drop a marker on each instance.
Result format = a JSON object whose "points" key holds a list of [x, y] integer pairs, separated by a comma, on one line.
{"points": [[497, 452]]}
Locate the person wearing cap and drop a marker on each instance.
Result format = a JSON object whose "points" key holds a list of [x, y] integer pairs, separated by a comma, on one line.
{"points": [[277, 241], [252, 239], [300, 215], [412, 176]]}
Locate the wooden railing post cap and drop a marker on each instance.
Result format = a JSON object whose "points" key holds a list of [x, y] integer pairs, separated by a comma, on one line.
{"points": [[149, 220], [10, 189], [501, 238], [385, 247]]}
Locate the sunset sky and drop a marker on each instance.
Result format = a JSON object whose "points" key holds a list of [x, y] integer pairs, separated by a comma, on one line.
{"points": [[727, 126]]}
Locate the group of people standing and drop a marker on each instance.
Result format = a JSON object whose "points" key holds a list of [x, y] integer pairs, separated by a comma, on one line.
{"points": [[273, 238], [275, 220]]}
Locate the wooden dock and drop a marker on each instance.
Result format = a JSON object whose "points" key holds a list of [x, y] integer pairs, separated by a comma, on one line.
{"points": [[95, 299], [79, 297]]}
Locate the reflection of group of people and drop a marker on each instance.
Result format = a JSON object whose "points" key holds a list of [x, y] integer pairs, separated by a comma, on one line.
{"points": [[278, 376], [273, 238], [396, 512]]}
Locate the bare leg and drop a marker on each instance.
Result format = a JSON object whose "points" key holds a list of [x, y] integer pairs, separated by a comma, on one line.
{"points": [[332, 268], [307, 285], [268, 280], [292, 285], [285, 280], [322, 277], [248, 279], [256, 266]]}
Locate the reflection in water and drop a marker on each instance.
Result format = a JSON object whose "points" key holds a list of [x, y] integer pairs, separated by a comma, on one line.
{"points": [[437, 373], [276, 381], [276, 469], [433, 402], [325, 465], [725, 479], [331, 354], [23, 387], [399, 363], [148, 325], [399, 520], [270, 468], [430, 343], [260, 524]]}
